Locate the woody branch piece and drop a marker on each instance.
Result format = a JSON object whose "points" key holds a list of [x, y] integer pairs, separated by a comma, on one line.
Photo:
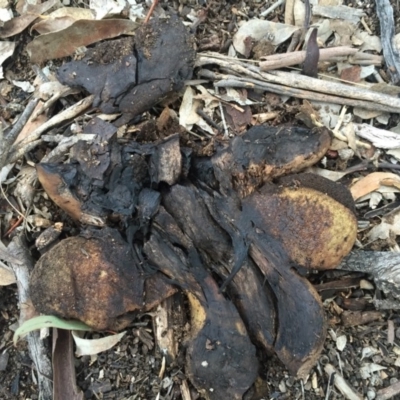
{"points": [[348, 93], [390, 53], [37, 349], [277, 61], [382, 266], [8, 139], [347, 391], [31, 141], [239, 82]]}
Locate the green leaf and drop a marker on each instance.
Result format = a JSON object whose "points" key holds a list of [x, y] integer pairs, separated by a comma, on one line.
{"points": [[48, 321]]}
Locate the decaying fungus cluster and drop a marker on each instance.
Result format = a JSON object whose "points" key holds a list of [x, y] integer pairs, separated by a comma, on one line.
{"points": [[229, 230]]}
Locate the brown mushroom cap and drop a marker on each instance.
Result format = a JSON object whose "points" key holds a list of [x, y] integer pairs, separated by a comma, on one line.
{"points": [[91, 280], [315, 230], [94, 280]]}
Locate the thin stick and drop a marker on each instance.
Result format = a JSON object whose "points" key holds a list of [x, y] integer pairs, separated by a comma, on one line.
{"points": [[9, 202], [9, 138], [249, 83], [366, 27], [221, 110], [391, 54], [36, 346], [31, 141], [339, 89], [153, 6], [65, 144], [12, 228], [347, 391], [226, 134], [340, 120], [277, 61], [304, 82], [202, 114], [22, 150], [272, 8]]}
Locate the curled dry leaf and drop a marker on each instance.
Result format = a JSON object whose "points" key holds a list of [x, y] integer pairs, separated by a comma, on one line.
{"points": [[389, 227], [53, 25], [299, 13], [18, 24], [51, 179], [62, 18], [81, 33], [257, 29], [368, 369], [373, 182], [369, 42], [50, 92], [88, 347], [188, 116]]}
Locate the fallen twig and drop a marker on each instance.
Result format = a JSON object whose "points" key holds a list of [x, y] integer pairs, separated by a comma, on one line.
{"points": [[239, 82], [32, 141], [364, 59], [204, 115], [14, 226], [391, 55], [347, 391], [8, 139], [289, 15], [333, 88], [22, 150], [64, 144], [276, 61], [37, 350], [272, 8], [382, 266], [388, 392], [346, 94], [152, 7]]}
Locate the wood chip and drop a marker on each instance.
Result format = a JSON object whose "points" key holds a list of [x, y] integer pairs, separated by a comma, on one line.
{"points": [[354, 318]]}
